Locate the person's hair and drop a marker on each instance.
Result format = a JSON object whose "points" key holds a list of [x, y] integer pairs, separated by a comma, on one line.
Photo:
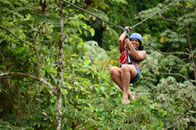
{"points": [[139, 37], [141, 47]]}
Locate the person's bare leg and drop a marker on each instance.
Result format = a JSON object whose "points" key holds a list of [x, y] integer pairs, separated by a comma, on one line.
{"points": [[128, 72], [125, 77], [115, 74]]}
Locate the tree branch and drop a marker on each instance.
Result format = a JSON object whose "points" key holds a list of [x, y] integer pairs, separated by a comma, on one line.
{"points": [[144, 127], [175, 74], [171, 53], [36, 51], [5, 29], [38, 31], [190, 49], [169, 20], [41, 80], [177, 120]]}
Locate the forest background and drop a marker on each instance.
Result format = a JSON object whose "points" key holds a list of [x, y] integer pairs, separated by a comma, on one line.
{"points": [[55, 60]]}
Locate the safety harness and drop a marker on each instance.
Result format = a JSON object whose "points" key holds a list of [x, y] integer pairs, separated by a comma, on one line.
{"points": [[125, 58]]}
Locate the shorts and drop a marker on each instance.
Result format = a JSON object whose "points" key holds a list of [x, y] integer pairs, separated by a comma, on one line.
{"points": [[138, 76]]}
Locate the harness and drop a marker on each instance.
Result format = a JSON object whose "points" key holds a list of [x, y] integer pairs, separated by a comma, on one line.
{"points": [[127, 49], [125, 58]]}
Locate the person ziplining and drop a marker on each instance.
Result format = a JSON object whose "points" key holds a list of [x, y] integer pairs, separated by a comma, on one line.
{"points": [[132, 53], [129, 70]]}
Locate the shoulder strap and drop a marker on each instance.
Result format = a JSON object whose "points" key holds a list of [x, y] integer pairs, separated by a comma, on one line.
{"points": [[128, 56]]}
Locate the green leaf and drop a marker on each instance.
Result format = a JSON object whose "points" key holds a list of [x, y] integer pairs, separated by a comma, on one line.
{"points": [[92, 31]]}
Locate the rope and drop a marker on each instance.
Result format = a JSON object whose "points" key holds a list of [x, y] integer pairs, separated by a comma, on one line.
{"points": [[115, 24]]}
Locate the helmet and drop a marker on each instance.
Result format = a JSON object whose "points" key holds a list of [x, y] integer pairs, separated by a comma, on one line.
{"points": [[136, 36]]}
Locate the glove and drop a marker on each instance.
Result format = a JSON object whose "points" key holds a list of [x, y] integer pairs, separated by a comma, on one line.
{"points": [[128, 28]]}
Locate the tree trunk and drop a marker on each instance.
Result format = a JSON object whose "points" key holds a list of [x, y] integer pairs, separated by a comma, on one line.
{"points": [[59, 69], [192, 60]]}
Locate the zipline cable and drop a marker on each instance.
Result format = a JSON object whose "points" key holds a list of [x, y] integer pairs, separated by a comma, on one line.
{"points": [[93, 15], [115, 24], [154, 14]]}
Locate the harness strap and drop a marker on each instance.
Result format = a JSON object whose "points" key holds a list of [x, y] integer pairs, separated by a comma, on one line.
{"points": [[128, 56]]}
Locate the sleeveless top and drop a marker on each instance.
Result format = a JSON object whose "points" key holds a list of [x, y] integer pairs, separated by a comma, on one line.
{"points": [[123, 58]]}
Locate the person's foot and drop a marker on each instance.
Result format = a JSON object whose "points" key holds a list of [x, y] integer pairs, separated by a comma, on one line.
{"points": [[130, 96], [125, 100]]}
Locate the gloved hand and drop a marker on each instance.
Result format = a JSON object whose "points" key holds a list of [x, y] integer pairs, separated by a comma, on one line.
{"points": [[128, 28]]}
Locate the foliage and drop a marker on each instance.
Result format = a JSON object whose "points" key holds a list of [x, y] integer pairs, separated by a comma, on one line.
{"points": [[165, 97]]}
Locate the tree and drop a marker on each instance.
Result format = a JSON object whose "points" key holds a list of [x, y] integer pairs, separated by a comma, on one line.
{"points": [[46, 85]]}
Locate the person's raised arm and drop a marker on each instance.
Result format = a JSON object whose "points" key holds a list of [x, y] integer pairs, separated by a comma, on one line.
{"points": [[137, 55], [122, 37], [120, 42]]}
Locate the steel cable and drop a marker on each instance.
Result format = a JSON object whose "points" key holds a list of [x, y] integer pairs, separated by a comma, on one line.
{"points": [[116, 24]]}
